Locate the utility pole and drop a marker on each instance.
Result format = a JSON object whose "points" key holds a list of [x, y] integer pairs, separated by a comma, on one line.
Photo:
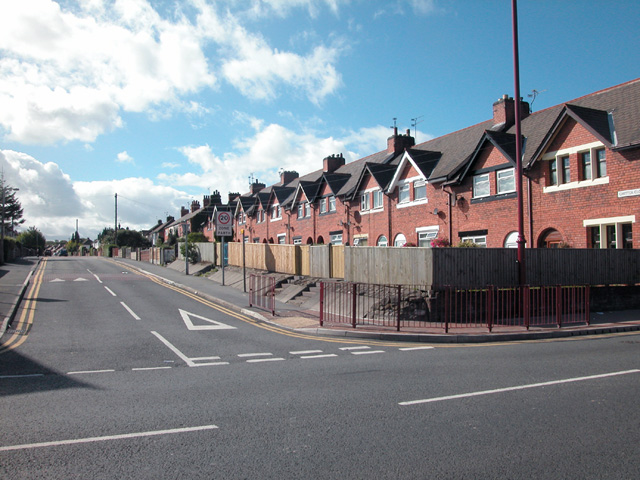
{"points": [[516, 78]]}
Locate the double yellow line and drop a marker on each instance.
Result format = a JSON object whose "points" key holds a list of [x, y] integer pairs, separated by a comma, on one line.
{"points": [[28, 311]]}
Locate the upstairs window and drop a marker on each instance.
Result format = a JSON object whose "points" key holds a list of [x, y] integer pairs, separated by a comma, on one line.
{"points": [[332, 203], [307, 209], [506, 181], [300, 210], [601, 163], [419, 190], [364, 202], [585, 166], [377, 199], [566, 169], [403, 193], [481, 186], [323, 205], [553, 172]]}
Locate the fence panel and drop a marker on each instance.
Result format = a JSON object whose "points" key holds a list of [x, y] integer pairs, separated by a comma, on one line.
{"points": [[305, 260], [337, 261], [319, 261]]}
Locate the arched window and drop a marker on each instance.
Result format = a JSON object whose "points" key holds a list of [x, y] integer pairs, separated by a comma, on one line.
{"points": [[550, 239], [382, 241], [309, 241], [511, 241], [320, 240], [400, 240]]}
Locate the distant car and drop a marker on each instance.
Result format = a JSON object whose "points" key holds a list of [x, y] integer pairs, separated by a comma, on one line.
{"points": [[47, 253], [63, 253]]}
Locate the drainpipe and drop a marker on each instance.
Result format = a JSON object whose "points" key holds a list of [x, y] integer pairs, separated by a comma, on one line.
{"points": [[530, 212]]}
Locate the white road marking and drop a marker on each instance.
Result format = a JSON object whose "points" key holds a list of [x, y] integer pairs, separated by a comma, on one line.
{"points": [[81, 280], [56, 280], [182, 356], [367, 352], [305, 352], [355, 348], [326, 355], [23, 376], [258, 360], [243, 355], [518, 387], [408, 349], [108, 437], [213, 324], [200, 359], [130, 311], [79, 372], [110, 291], [142, 369], [97, 277]]}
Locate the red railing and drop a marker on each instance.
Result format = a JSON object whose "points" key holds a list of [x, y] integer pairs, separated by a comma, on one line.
{"points": [[262, 292], [402, 306]]}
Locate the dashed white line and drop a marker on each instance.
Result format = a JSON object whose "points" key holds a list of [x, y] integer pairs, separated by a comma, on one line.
{"points": [[107, 437], [367, 352], [258, 360], [80, 372], [130, 311], [518, 387], [110, 291], [355, 348], [244, 355], [305, 352], [28, 375], [408, 349], [326, 355], [97, 278], [144, 369]]}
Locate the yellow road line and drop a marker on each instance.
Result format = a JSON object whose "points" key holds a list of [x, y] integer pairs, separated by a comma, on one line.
{"points": [[27, 312]]}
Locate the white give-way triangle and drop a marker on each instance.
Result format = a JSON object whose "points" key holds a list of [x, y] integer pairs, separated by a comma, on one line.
{"points": [[213, 324]]}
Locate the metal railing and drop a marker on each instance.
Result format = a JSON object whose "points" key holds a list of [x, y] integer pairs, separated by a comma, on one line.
{"points": [[262, 292], [415, 307]]}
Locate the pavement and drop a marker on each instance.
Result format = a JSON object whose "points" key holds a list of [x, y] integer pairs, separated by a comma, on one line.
{"points": [[15, 277]]}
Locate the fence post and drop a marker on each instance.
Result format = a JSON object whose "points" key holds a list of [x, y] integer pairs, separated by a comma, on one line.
{"points": [[587, 303], [446, 310], [559, 306], [251, 290], [353, 304], [321, 303], [527, 310], [272, 294], [399, 306], [489, 307]]}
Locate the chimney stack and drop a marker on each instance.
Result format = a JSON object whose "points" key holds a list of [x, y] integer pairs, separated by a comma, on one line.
{"points": [[233, 196], [195, 205], [184, 211], [256, 187], [399, 143], [287, 176], [504, 111], [216, 198], [332, 163]]}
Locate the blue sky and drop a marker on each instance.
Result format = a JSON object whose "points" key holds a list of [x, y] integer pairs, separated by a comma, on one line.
{"points": [[163, 102]]}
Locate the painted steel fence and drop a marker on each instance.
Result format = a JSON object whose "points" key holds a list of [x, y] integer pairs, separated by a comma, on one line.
{"points": [[415, 307], [262, 292]]}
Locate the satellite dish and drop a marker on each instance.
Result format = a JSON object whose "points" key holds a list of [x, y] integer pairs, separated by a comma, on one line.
{"points": [[436, 211]]}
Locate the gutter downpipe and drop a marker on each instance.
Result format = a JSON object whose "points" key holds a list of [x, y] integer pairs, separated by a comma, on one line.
{"points": [[516, 79]]}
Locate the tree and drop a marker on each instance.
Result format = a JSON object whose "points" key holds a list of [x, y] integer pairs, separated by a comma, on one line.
{"points": [[11, 208], [33, 238], [132, 239], [197, 237]]}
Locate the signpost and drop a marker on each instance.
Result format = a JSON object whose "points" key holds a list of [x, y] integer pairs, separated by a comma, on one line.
{"points": [[224, 228]]}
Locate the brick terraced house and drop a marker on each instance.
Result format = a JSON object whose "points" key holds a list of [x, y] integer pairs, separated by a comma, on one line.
{"points": [[581, 185]]}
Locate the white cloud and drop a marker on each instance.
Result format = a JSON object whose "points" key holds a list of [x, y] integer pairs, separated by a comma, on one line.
{"points": [[67, 73], [124, 157], [52, 202]]}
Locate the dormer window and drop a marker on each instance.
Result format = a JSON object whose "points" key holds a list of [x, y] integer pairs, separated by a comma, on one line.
{"points": [[332, 203]]}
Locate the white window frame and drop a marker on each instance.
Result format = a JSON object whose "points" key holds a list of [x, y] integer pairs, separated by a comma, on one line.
{"points": [[332, 203], [282, 238], [300, 210], [276, 213], [481, 179], [419, 184], [364, 202], [603, 223], [297, 240], [335, 238], [427, 234], [404, 193], [307, 209], [378, 197], [323, 205], [399, 238], [382, 241], [501, 175], [479, 240]]}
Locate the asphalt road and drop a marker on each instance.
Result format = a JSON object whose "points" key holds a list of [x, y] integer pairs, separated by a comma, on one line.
{"points": [[108, 374]]}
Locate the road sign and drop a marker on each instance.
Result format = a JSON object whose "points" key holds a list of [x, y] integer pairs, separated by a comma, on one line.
{"points": [[224, 224]]}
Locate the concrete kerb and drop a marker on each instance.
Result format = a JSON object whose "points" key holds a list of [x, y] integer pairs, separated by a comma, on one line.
{"points": [[8, 319]]}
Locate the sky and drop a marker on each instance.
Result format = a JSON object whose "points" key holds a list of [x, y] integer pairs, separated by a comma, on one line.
{"points": [[162, 102]]}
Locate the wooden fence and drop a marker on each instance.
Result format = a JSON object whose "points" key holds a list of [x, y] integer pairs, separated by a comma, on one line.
{"points": [[442, 266]]}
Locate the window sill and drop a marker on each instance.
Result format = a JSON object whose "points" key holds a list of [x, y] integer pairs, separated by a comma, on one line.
{"points": [[578, 184], [492, 198], [424, 201]]}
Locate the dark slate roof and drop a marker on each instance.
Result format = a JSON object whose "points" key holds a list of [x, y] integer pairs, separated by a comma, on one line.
{"points": [[336, 181], [597, 121], [425, 160]]}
